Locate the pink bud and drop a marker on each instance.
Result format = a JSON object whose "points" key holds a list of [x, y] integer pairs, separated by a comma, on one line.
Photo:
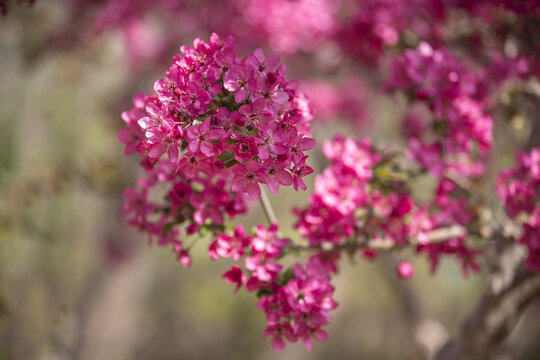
{"points": [[405, 270]]}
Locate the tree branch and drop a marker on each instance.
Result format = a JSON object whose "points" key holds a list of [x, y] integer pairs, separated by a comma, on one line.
{"points": [[508, 293], [511, 287], [437, 235]]}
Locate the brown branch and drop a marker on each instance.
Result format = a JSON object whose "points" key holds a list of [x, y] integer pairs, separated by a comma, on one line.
{"points": [[508, 293], [511, 287]]}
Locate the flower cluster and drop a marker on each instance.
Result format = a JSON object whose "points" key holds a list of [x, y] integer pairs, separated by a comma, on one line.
{"points": [[362, 198], [519, 191], [451, 146], [216, 128], [339, 192], [379, 24], [297, 300], [455, 97], [291, 25]]}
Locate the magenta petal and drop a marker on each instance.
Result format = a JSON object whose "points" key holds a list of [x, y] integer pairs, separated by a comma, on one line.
{"points": [[207, 148], [285, 178], [192, 132], [152, 110], [253, 191], [246, 109], [157, 150], [263, 152], [193, 145], [258, 105], [307, 143], [278, 343], [259, 55], [320, 335], [280, 149], [240, 95], [300, 184], [307, 342], [216, 134], [204, 97], [237, 183], [273, 185]]}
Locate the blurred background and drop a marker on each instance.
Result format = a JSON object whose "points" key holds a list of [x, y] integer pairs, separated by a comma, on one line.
{"points": [[77, 283]]}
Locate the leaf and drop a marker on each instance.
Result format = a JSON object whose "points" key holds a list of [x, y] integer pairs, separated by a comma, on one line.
{"points": [[225, 156], [230, 163]]}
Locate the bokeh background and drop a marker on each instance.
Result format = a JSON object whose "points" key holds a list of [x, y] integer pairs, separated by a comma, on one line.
{"points": [[77, 283]]}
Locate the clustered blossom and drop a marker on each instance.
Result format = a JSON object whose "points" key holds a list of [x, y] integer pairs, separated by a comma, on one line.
{"points": [[292, 25], [361, 199], [519, 191], [451, 146], [376, 25], [297, 300], [216, 128], [362, 30], [455, 97]]}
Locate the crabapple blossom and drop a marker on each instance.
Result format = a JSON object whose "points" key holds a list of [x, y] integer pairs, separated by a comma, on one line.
{"points": [[216, 128], [296, 300], [519, 190]]}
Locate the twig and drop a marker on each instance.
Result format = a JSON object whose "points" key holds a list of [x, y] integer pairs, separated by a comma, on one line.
{"points": [[267, 207], [437, 235]]}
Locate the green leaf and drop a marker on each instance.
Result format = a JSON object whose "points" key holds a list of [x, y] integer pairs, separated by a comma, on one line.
{"points": [[230, 163], [286, 276], [225, 156]]}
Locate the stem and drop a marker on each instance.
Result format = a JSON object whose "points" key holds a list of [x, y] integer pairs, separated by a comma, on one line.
{"points": [[437, 235], [267, 207]]}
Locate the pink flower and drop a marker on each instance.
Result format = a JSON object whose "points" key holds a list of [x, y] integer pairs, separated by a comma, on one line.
{"points": [[272, 140], [278, 331], [266, 241], [262, 267], [233, 247], [252, 113], [201, 136], [298, 172], [245, 150], [261, 63], [235, 276], [245, 180], [239, 79], [191, 164], [273, 173], [275, 307]]}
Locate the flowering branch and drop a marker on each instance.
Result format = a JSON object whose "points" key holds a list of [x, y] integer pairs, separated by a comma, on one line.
{"points": [[218, 127]]}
